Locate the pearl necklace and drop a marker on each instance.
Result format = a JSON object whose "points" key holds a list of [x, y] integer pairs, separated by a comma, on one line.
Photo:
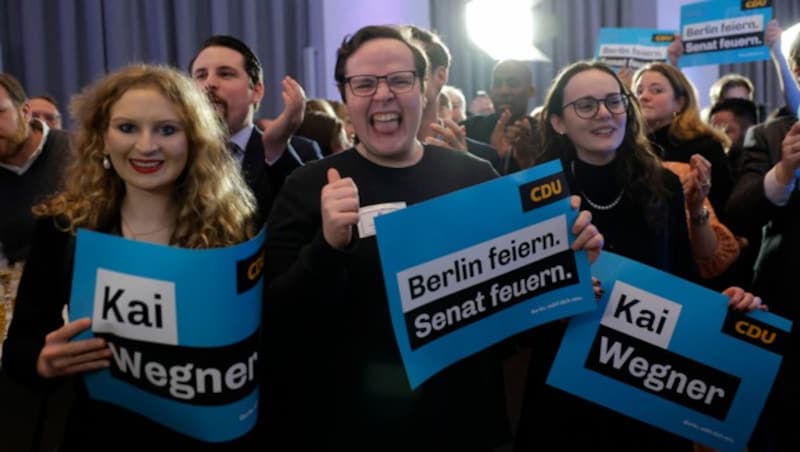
{"points": [[594, 204], [600, 206]]}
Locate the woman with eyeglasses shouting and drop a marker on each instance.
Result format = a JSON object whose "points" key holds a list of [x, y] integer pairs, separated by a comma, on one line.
{"points": [[335, 369], [591, 124]]}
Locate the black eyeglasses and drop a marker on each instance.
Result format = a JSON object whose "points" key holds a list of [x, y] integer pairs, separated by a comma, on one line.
{"points": [[366, 85], [587, 107]]}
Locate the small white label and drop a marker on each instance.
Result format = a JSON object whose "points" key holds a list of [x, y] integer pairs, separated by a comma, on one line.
{"points": [[134, 307], [366, 216], [641, 314]]}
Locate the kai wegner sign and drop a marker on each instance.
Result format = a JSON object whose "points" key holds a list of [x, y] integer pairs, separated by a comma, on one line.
{"points": [[632, 47], [182, 326], [724, 31], [670, 353], [469, 269]]}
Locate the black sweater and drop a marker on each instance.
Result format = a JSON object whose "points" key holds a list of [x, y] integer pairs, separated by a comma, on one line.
{"points": [[676, 150], [337, 381], [91, 425]]}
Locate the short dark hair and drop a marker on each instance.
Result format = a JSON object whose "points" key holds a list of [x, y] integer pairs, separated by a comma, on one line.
{"points": [[726, 82], [438, 53], [15, 90], [742, 109], [352, 43], [46, 98], [252, 65], [524, 66]]}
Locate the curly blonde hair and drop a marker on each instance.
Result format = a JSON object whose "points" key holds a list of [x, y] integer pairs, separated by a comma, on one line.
{"points": [[687, 123], [215, 206]]}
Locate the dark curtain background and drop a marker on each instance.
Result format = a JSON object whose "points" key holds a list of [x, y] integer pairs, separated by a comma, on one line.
{"points": [[57, 47], [572, 26]]}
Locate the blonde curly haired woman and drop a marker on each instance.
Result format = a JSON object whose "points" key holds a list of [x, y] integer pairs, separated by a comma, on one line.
{"points": [[149, 164]]}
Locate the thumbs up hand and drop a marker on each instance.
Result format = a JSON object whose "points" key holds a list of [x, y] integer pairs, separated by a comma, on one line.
{"points": [[339, 208]]}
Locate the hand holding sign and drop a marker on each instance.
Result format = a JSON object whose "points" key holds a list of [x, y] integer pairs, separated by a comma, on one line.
{"points": [[675, 50], [772, 37], [339, 208], [59, 357], [588, 237], [740, 300]]}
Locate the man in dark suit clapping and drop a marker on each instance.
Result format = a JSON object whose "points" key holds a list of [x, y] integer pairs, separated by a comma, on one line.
{"points": [[232, 76]]}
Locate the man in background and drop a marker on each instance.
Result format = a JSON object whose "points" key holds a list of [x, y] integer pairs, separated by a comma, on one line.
{"points": [[32, 160], [45, 108], [433, 129], [512, 89], [481, 104], [232, 76], [458, 102]]}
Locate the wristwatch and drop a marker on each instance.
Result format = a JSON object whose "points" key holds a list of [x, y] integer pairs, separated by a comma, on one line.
{"points": [[702, 219]]}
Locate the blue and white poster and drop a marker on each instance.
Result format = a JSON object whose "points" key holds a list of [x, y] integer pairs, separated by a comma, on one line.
{"points": [[724, 31], [492, 260], [670, 353], [632, 47], [182, 326]]}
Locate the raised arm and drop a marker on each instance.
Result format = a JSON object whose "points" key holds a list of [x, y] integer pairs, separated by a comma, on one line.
{"points": [[791, 91]]}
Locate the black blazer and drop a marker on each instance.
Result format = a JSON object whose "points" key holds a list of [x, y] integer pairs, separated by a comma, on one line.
{"points": [[264, 180]]}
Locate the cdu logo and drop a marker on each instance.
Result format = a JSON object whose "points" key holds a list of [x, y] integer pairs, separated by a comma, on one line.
{"points": [[755, 4], [249, 271], [761, 334], [663, 37], [543, 191]]}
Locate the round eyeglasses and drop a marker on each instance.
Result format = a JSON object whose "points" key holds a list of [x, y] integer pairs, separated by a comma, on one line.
{"points": [[366, 85], [587, 107]]}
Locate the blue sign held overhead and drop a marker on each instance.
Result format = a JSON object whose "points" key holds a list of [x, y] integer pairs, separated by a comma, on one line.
{"points": [[632, 47], [182, 326], [724, 31], [492, 261], [670, 353]]}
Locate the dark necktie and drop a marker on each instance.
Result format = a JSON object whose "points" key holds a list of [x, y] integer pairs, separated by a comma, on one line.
{"points": [[234, 149]]}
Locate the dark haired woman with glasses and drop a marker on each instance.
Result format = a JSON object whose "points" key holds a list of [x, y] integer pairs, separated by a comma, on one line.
{"points": [[590, 123]]}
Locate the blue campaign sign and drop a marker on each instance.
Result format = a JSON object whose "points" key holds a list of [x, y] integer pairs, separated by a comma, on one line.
{"points": [[724, 31], [182, 326], [668, 352], [493, 260], [632, 47]]}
